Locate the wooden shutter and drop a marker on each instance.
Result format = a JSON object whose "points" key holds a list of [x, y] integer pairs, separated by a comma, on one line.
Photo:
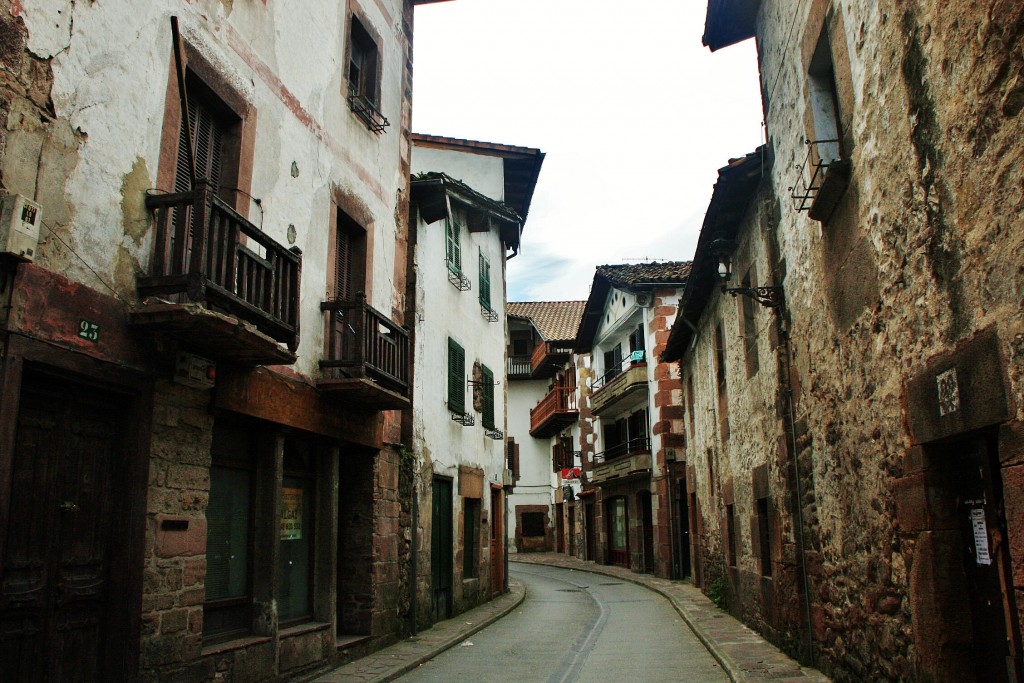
{"points": [[343, 265], [454, 249], [485, 282], [488, 412], [456, 377]]}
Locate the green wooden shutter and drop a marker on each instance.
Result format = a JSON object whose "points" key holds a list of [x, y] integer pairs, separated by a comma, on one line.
{"points": [[488, 411], [485, 282], [456, 377]]}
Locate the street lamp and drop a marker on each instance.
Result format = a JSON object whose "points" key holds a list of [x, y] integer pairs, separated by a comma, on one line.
{"points": [[770, 297]]}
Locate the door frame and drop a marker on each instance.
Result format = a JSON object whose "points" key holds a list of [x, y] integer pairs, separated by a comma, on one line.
{"points": [[124, 608]]}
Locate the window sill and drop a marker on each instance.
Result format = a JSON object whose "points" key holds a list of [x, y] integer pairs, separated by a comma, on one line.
{"points": [[232, 645], [300, 629]]}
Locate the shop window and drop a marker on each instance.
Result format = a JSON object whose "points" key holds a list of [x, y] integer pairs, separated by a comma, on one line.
{"points": [[298, 492], [470, 538], [534, 524], [227, 611]]}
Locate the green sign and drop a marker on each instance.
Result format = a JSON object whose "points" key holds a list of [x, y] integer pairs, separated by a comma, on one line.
{"points": [[89, 330]]}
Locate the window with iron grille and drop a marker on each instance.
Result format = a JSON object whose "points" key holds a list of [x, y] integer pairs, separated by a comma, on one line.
{"points": [[485, 282], [456, 377], [363, 64], [487, 413]]}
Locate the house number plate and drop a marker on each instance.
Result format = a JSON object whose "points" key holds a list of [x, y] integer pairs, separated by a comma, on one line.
{"points": [[89, 330]]}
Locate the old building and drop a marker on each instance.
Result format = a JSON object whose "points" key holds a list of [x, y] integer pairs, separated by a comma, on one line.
{"points": [[637, 430], [892, 224], [731, 343], [203, 352], [469, 199], [548, 427]]}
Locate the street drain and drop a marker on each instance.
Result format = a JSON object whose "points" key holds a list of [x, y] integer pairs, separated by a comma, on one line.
{"points": [[568, 590]]}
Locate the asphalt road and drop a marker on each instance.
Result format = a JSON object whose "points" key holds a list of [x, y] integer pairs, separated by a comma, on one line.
{"points": [[577, 626]]}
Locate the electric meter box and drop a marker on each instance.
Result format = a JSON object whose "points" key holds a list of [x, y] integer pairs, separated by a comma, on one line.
{"points": [[19, 226]]}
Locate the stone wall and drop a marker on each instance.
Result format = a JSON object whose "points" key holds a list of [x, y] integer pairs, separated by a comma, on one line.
{"points": [[922, 251]]}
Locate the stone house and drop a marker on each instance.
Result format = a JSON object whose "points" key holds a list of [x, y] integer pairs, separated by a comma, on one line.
{"points": [[731, 344], [898, 244], [469, 203], [640, 498], [202, 331], [549, 427]]}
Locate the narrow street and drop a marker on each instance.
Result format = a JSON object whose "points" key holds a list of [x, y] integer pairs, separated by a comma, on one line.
{"points": [[576, 626]]}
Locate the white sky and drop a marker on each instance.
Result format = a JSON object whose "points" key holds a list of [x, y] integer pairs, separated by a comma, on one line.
{"points": [[634, 114]]}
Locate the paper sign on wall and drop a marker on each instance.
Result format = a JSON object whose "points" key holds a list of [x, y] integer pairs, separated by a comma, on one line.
{"points": [[980, 536], [291, 514]]}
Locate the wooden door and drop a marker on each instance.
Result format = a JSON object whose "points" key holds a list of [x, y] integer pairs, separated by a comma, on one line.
{"points": [[56, 600], [441, 548], [497, 542]]}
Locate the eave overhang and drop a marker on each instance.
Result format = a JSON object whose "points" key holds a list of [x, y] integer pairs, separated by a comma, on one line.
{"points": [[728, 22], [735, 189], [434, 194]]}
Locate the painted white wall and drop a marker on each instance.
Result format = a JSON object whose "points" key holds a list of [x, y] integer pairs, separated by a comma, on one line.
{"points": [[111, 61], [440, 444], [482, 172], [536, 480]]}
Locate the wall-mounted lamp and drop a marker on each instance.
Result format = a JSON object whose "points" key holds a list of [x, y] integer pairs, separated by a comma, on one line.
{"points": [[766, 296]]}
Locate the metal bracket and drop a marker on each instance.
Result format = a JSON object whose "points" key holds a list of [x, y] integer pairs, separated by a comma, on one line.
{"points": [[770, 297]]}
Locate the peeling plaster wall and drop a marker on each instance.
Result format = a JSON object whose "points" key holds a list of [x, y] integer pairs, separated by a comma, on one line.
{"points": [[441, 445], [925, 249], [487, 170], [89, 162]]}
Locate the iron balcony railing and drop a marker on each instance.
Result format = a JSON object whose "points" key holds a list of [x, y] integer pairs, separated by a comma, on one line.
{"points": [[632, 447], [634, 358], [518, 367], [207, 253], [367, 111], [362, 342]]}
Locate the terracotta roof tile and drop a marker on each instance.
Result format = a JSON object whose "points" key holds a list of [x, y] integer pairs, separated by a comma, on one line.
{"points": [[555, 320]]}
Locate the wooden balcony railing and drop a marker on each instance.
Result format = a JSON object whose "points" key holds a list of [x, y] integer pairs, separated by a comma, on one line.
{"points": [[554, 412], [548, 358], [207, 253], [363, 343], [518, 367]]}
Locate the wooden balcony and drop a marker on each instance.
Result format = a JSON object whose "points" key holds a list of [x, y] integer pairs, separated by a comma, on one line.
{"points": [[616, 389], [548, 358], [368, 356], [218, 284], [518, 367], [622, 460], [556, 411]]}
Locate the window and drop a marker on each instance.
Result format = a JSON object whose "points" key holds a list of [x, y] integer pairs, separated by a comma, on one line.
{"points": [[453, 245], [295, 595], [764, 537], [512, 456], [485, 282], [487, 413], [562, 455], [470, 538], [349, 258], [362, 64], [521, 342], [636, 339], [456, 377], [730, 532], [689, 400], [612, 363], [534, 524], [749, 325], [720, 379], [227, 612], [364, 77], [824, 101]]}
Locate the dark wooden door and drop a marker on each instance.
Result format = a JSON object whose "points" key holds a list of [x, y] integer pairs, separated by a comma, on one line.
{"points": [[441, 548], [497, 543], [647, 519], [55, 597], [683, 524], [590, 531], [985, 559]]}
